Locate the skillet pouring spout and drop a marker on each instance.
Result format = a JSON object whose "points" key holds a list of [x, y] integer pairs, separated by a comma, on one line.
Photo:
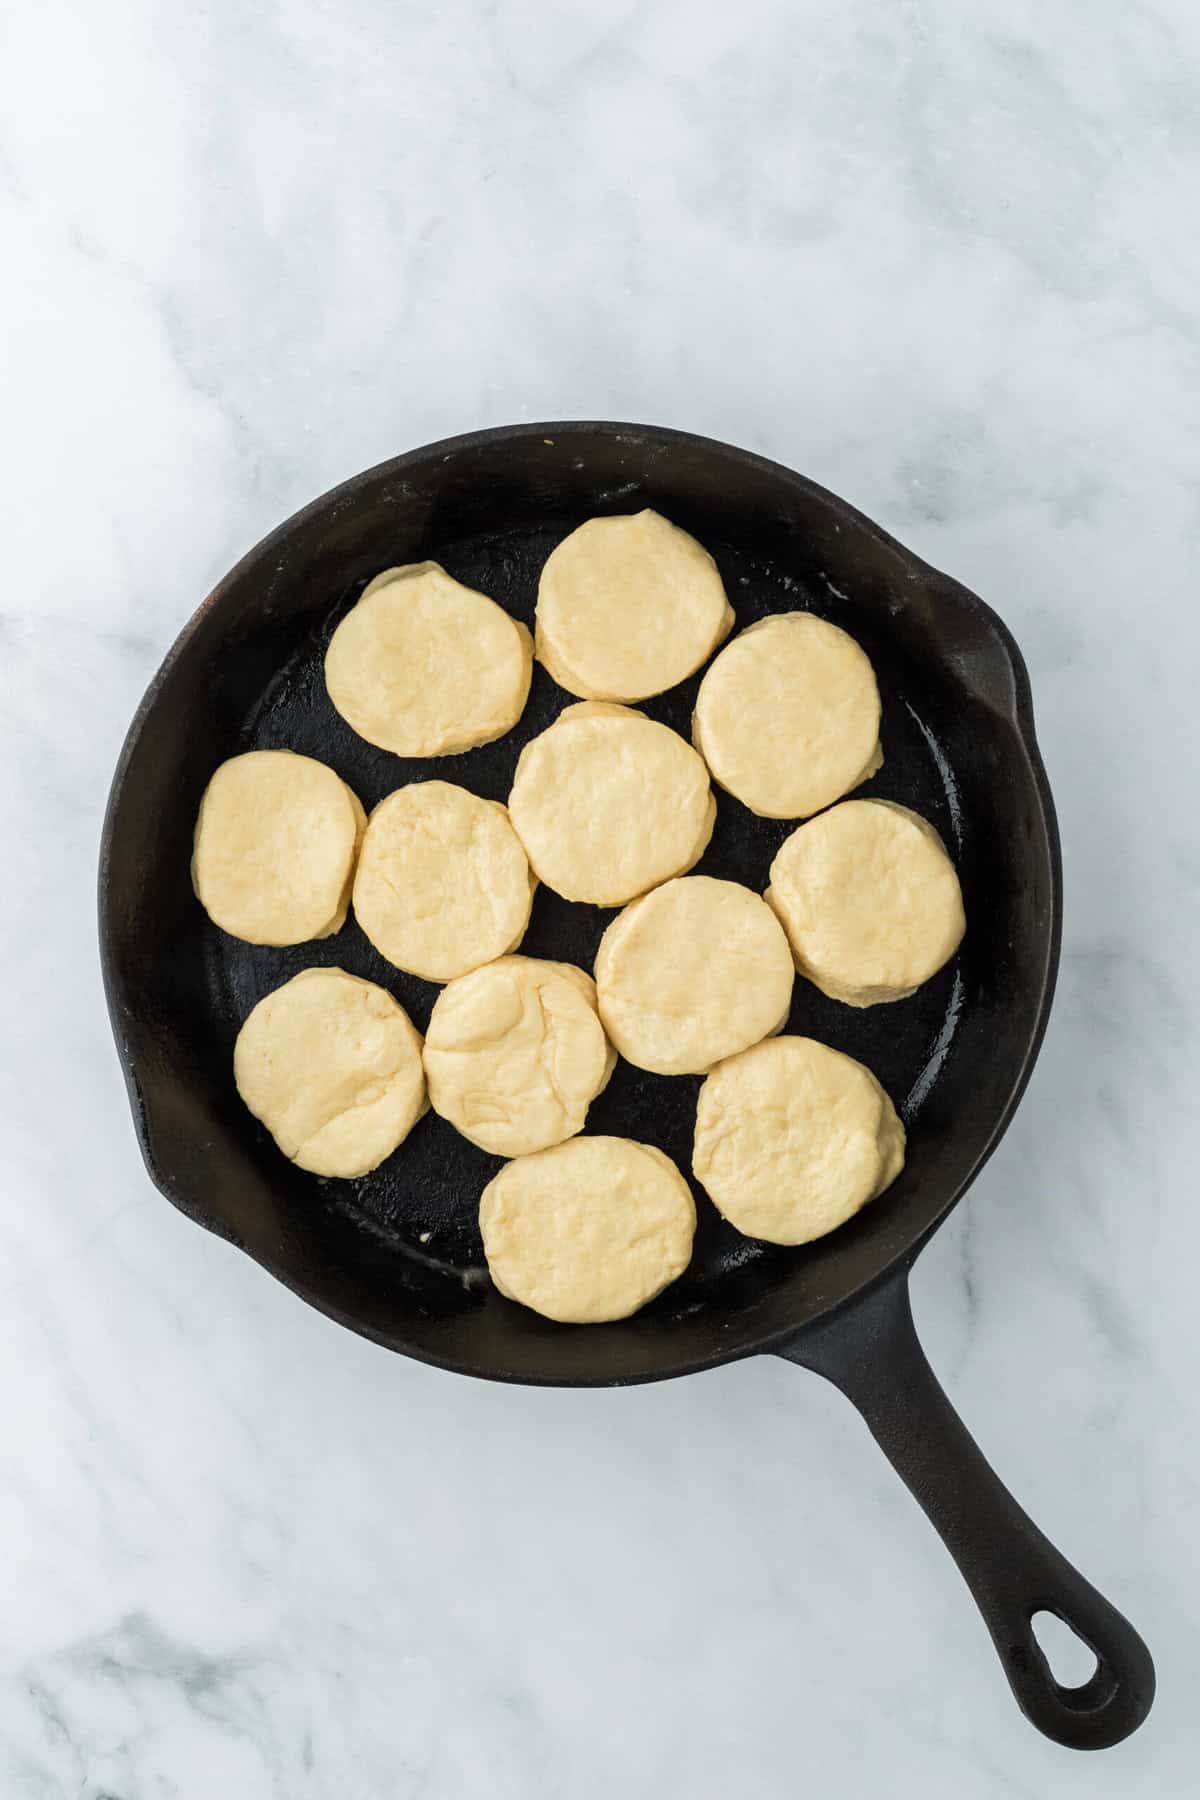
{"points": [[869, 1349]]}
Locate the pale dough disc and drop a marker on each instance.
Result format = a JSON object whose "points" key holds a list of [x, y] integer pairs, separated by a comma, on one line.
{"points": [[589, 1230], [787, 718], [275, 843], [792, 1138], [332, 1067], [627, 607], [424, 666], [692, 972], [869, 900], [515, 1054], [443, 884], [609, 803]]}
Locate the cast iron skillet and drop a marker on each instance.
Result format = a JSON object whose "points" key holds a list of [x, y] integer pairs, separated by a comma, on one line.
{"points": [[396, 1255]]}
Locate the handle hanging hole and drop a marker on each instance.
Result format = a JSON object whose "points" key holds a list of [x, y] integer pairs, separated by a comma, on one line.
{"points": [[1072, 1662]]}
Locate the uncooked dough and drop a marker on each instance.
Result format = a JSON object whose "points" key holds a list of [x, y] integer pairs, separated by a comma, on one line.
{"points": [[627, 606], [692, 972], [443, 884], [332, 1067], [869, 899], [792, 1138], [515, 1054], [608, 803], [787, 718], [424, 666], [274, 847], [589, 1230]]}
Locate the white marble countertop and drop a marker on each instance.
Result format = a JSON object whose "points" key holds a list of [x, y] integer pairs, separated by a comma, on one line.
{"points": [[940, 259]]}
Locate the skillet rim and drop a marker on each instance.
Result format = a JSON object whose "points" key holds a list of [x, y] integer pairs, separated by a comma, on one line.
{"points": [[1017, 707]]}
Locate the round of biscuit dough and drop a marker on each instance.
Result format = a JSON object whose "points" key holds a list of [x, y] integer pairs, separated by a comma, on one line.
{"points": [[332, 1067], [515, 1054], [869, 900], [443, 884], [274, 848], [787, 718], [587, 1231], [424, 666], [792, 1138], [628, 606], [608, 803], [693, 972]]}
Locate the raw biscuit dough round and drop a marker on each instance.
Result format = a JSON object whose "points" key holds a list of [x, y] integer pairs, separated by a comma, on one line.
{"points": [[589, 1230], [628, 606], [792, 1138], [515, 1054], [274, 848], [869, 899], [608, 803], [424, 666], [443, 884], [332, 1067], [787, 718], [693, 972]]}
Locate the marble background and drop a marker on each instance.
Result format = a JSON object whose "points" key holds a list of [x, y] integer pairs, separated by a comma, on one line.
{"points": [[943, 259]]}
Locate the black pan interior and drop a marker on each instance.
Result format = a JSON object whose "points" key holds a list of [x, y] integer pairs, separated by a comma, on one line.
{"points": [[397, 1254]]}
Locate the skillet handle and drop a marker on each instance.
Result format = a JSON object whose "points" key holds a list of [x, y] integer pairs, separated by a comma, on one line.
{"points": [[870, 1350]]}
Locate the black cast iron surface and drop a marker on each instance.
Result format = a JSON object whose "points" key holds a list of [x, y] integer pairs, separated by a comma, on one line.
{"points": [[396, 1255]]}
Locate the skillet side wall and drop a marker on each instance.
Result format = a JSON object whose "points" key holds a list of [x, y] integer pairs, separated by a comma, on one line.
{"points": [[959, 744]]}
